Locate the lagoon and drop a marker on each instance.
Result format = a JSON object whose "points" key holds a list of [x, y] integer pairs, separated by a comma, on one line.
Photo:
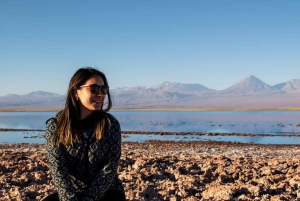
{"points": [[248, 122]]}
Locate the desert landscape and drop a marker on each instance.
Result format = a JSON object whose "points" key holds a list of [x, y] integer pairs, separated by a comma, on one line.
{"points": [[166, 170], [206, 94]]}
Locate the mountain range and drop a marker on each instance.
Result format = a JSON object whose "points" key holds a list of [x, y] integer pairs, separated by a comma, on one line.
{"points": [[249, 92]]}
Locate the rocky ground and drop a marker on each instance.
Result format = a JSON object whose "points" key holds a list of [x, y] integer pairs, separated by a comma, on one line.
{"points": [[172, 171]]}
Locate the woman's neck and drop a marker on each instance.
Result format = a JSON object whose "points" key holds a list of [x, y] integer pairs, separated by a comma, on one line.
{"points": [[85, 114], [86, 123]]}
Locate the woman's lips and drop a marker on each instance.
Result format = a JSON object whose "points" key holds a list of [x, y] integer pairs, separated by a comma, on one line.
{"points": [[97, 101]]}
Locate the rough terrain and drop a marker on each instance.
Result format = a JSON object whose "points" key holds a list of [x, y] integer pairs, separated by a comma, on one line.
{"points": [[158, 170]]}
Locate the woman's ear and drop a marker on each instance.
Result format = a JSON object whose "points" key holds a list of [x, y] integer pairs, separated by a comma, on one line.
{"points": [[76, 94]]}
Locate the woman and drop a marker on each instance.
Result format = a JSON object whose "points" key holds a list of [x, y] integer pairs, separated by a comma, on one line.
{"points": [[84, 143]]}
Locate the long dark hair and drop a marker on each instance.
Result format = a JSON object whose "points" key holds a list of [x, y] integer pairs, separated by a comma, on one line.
{"points": [[66, 131]]}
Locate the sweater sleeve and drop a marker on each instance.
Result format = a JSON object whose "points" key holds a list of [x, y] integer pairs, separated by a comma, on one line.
{"points": [[107, 174], [58, 166]]}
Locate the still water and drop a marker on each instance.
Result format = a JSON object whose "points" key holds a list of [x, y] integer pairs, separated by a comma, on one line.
{"points": [[248, 122]]}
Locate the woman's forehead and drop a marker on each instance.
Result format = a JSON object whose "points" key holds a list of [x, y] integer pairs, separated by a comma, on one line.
{"points": [[95, 79]]}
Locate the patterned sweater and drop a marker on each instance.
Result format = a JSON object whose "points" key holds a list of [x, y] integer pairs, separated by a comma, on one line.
{"points": [[86, 170]]}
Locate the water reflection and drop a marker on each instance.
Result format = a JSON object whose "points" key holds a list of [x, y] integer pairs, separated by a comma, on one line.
{"points": [[178, 121], [211, 121], [24, 120]]}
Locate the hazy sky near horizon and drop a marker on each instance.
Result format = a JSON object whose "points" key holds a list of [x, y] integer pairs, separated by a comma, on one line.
{"points": [[144, 43]]}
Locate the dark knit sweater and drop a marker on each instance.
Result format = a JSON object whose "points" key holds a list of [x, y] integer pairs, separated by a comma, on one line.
{"points": [[86, 170]]}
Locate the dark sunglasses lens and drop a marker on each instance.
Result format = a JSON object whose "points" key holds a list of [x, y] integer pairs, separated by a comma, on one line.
{"points": [[94, 89], [104, 89]]}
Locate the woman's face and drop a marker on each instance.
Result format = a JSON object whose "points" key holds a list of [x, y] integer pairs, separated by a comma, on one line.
{"points": [[88, 101]]}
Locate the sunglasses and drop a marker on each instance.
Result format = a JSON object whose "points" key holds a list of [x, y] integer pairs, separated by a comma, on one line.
{"points": [[94, 88]]}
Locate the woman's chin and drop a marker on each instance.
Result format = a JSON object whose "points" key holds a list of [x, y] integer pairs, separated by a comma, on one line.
{"points": [[97, 107]]}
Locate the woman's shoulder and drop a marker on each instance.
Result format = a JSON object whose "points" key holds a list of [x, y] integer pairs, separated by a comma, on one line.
{"points": [[52, 122], [112, 118]]}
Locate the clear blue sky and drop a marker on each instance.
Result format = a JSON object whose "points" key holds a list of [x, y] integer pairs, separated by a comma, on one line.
{"points": [[144, 43]]}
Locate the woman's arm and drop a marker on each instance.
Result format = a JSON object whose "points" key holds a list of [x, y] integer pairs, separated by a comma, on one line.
{"points": [[108, 173], [58, 166]]}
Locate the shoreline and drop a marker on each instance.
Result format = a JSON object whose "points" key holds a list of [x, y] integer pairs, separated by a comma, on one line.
{"points": [[162, 109], [179, 133], [163, 170], [182, 146]]}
